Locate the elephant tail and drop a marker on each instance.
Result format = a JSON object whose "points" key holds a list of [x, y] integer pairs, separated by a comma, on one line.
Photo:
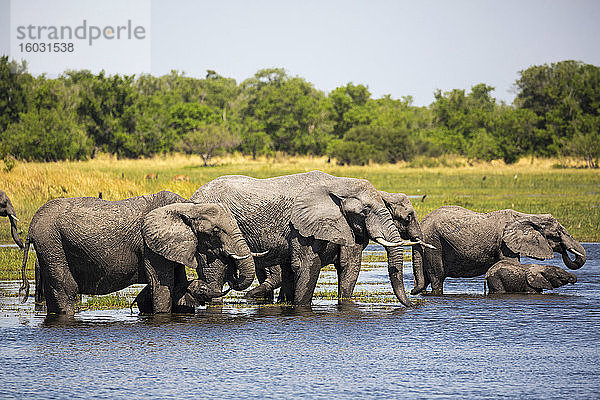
{"points": [[25, 285], [484, 287]]}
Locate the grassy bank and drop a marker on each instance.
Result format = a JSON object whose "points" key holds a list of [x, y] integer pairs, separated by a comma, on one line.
{"points": [[533, 186]]}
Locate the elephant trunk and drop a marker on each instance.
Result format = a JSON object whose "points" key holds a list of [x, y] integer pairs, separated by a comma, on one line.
{"points": [[418, 271], [580, 255], [244, 265], [414, 230], [202, 291], [12, 216], [396, 274], [381, 225]]}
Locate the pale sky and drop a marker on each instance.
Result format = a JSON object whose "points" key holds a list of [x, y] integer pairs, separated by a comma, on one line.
{"points": [[402, 48]]}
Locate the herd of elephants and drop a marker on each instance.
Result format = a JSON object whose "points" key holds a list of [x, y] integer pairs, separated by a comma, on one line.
{"points": [[282, 230]]}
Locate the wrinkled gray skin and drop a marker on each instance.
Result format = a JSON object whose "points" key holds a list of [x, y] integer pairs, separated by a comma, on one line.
{"points": [[7, 210], [469, 243], [510, 277], [348, 261], [91, 246], [302, 221]]}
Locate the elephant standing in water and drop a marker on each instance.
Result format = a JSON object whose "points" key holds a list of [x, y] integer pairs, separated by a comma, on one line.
{"points": [[348, 261], [509, 277], [468, 243], [302, 221], [7, 210], [91, 246]]}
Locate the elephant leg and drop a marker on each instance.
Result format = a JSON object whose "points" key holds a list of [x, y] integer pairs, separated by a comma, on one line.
{"points": [[269, 279], [60, 288], [181, 283], [421, 280], [286, 293], [435, 270], [162, 282], [306, 267], [144, 300], [348, 268], [437, 285]]}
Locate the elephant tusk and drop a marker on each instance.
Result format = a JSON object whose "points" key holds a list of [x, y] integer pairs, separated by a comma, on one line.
{"points": [[236, 257], [385, 243], [264, 253], [14, 217], [429, 246], [578, 254]]}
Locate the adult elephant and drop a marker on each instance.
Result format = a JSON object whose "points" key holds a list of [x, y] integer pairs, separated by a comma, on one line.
{"points": [[7, 210], [348, 260], [91, 246], [468, 243], [507, 276], [301, 221]]}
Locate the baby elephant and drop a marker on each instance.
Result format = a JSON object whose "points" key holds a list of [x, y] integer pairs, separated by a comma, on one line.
{"points": [[510, 277]]}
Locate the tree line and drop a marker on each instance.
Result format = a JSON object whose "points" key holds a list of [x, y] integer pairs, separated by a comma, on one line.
{"points": [[75, 116]]}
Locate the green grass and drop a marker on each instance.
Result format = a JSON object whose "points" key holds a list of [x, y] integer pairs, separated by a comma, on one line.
{"points": [[571, 195], [10, 264], [106, 302]]}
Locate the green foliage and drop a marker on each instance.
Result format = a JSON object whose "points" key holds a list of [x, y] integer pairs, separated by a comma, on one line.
{"points": [[207, 140], [294, 115], [78, 114], [565, 96], [47, 135], [13, 92], [379, 144], [350, 152], [350, 108], [185, 117], [254, 139], [586, 140]]}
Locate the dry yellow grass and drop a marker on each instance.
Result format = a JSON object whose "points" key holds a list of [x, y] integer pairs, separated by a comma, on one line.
{"points": [[532, 185]]}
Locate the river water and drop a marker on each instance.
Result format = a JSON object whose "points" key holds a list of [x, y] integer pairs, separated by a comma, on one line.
{"points": [[460, 345]]}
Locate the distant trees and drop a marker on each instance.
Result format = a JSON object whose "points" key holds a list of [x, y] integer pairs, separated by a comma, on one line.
{"points": [[565, 96], [207, 140], [290, 111], [77, 115]]}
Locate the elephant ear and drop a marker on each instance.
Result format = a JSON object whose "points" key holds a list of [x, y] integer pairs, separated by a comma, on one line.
{"points": [[522, 237], [317, 212], [166, 233], [536, 280]]}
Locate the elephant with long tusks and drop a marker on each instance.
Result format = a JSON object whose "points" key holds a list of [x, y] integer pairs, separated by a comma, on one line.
{"points": [[302, 221]]}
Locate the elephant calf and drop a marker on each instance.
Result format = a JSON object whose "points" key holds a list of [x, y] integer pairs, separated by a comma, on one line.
{"points": [[510, 277], [91, 246]]}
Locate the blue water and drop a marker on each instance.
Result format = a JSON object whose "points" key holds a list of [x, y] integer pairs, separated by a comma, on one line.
{"points": [[460, 345]]}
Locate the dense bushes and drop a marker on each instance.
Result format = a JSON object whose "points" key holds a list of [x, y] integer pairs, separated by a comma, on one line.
{"points": [[556, 112]]}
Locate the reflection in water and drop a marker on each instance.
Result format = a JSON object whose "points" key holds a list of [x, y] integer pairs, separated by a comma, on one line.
{"points": [[460, 345]]}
